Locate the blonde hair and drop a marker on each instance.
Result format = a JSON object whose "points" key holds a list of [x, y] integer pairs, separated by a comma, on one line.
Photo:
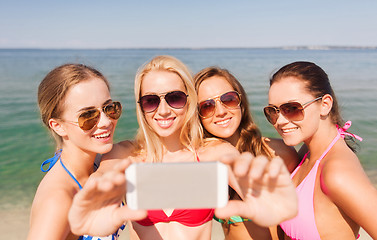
{"points": [[54, 87], [191, 135]]}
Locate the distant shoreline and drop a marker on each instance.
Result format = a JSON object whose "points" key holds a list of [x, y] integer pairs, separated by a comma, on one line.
{"points": [[303, 47]]}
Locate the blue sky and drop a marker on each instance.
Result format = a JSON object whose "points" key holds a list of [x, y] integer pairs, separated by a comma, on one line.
{"points": [[188, 23]]}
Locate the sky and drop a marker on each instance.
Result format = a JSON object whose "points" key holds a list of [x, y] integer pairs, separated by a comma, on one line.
{"points": [[186, 24]]}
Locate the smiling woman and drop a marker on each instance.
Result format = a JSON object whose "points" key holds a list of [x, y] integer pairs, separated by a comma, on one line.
{"points": [[170, 132], [225, 114], [330, 176], [76, 106]]}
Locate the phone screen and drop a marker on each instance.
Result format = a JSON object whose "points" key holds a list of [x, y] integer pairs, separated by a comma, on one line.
{"points": [[177, 185]]}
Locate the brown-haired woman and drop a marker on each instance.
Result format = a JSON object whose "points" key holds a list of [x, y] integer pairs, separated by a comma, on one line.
{"points": [[224, 112], [76, 106], [335, 195]]}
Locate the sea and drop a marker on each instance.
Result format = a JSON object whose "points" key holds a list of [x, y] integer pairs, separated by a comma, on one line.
{"points": [[25, 143]]}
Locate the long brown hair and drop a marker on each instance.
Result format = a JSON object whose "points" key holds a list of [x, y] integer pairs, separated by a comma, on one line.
{"points": [[251, 139]]}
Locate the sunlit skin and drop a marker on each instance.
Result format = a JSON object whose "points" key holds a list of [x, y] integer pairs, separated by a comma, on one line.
{"points": [[295, 132], [225, 121], [101, 198], [165, 121], [83, 96], [225, 124], [79, 151], [337, 209]]}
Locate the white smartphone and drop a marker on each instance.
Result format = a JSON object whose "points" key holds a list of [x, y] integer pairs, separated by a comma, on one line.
{"points": [[177, 185]]}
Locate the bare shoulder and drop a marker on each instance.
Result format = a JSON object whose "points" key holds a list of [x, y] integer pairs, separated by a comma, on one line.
{"points": [[287, 153], [345, 183], [48, 217], [120, 151], [342, 175], [213, 149]]}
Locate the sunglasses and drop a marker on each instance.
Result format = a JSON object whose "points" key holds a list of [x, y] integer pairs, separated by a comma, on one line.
{"points": [[175, 99], [90, 118], [230, 99], [293, 111]]}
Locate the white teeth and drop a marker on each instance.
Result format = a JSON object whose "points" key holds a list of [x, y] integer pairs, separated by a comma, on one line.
{"points": [[103, 135], [288, 130], [164, 122], [223, 121]]}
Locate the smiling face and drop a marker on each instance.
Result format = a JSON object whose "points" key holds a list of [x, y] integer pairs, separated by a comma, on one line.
{"points": [[291, 89], [89, 94], [166, 121], [225, 121]]}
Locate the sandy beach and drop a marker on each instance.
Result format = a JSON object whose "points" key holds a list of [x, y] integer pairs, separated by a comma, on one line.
{"points": [[14, 225]]}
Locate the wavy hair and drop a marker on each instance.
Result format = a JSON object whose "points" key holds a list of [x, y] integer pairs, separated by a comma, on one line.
{"points": [[251, 139]]}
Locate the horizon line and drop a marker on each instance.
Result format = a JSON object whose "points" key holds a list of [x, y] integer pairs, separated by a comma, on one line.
{"points": [[288, 47]]}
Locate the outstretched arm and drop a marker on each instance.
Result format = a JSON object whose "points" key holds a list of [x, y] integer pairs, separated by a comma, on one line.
{"points": [[269, 196], [96, 210]]}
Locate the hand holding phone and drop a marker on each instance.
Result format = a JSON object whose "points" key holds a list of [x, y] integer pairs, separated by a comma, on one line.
{"points": [[177, 185]]}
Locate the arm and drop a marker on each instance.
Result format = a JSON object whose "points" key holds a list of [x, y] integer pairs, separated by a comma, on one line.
{"points": [[269, 196], [49, 216], [289, 155], [344, 181], [101, 199], [120, 151]]}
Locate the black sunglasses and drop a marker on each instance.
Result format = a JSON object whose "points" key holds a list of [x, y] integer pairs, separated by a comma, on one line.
{"points": [[175, 99]]}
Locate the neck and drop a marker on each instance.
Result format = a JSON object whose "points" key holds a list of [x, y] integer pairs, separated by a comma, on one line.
{"points": [[234, 138], [172, 143], [321, 139], [78, 162]]}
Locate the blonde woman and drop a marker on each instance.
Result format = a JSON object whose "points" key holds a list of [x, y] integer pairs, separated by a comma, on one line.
{"points": [[170, 131]]}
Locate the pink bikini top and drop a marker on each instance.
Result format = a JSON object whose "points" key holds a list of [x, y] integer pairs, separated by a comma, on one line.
{"points": [[187, 217], [303, 226]]}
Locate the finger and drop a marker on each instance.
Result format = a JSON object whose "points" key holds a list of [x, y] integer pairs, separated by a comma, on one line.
{"points": [[275, 167], [124, 214], [122, 165], [234, 208], [242, 164], [110, 181], [90, 189], [258, 167]]}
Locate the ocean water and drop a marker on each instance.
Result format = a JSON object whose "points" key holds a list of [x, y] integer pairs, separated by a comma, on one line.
{"points": [[25, 143]]}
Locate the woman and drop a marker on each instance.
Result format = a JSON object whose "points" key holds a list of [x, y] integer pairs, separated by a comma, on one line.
{"points": [[224, 113], [76, 106], [335, 195], [170, 131]]}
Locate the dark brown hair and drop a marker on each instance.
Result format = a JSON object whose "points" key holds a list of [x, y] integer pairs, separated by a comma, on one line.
{"points": [[317, 83]]}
